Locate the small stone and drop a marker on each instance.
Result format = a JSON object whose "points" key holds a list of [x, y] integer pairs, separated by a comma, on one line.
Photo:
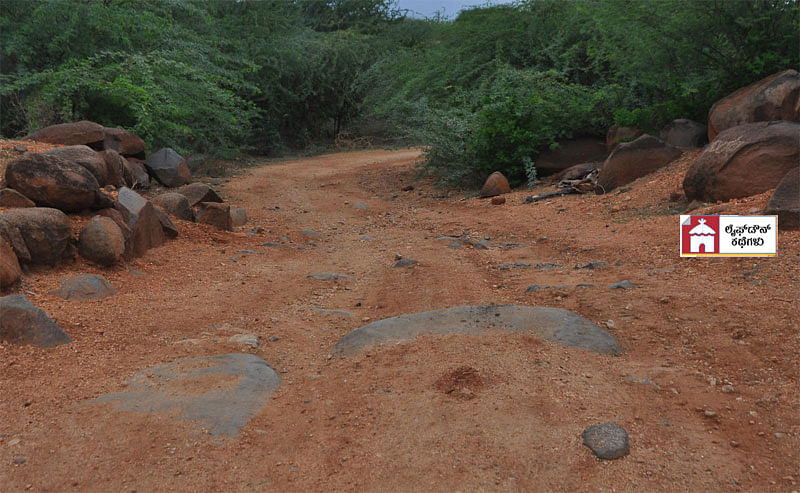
{"points": [[19, 461], [734, 443], [607, 440], [20, 149], [499, 200], [245, 340], [592, 265], [329, 277], [405, 262], [274, 339], [726, 389], [481, 245], [310, 233], [622, 285], [360, 206]]}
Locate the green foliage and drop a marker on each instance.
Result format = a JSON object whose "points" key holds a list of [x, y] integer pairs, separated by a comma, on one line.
{"points": [[487, 91]]}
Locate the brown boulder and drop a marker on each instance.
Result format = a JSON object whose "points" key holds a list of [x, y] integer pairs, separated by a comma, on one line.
{"points": [[776, 97], [10, 270], [146, 230], [84, 156], [215, 214], [101, 241], [570, 153], [175, 204], [77, 133], [124, 142], [50, 181], [198, 192], [496, 184], [121, 220], [167, 225], [168, 167], [617, 135], [633, 160], [38, 235], [785, 201], [119, 174], [578, 172], [136, 168], [744, 160], [684, 133], [13, 199]]}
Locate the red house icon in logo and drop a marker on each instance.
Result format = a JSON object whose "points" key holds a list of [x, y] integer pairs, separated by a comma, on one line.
{"points": [[700, 235]]}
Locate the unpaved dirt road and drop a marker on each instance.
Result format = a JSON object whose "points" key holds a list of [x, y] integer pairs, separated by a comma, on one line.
{"points": [[707, 387]]}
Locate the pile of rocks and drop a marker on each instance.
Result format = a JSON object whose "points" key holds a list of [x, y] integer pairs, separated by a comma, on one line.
{"points": [[97, 170], [754, 147]]}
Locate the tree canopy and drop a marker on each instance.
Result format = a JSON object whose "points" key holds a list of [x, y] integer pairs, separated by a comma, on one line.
{"points": [[488, 90]]}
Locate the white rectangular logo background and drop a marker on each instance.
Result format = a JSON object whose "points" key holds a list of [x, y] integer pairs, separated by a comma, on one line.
{"points": [[740, 236]]}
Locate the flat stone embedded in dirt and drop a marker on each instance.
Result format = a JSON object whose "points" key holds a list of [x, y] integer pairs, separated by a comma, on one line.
{"points": [[552, 324], [405, 262], [84, 288], [220, 392], [245, 339], [310, 233], [607, 440], [21, 322], [626, 284], [592, 265], [329, 277]]}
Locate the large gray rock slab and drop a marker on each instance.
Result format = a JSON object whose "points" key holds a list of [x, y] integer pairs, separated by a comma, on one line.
{"points": [[85, 287], [220, 392], [22, 323], [552, 324]]}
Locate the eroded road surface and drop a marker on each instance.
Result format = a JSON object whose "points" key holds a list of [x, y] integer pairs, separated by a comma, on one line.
{"points": [[706, 384]]}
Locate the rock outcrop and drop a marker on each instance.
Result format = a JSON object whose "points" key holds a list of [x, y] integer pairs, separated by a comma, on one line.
{"points": [[785, 201], [633, 160], [684, 133], [776, 97], [743, 161]]}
